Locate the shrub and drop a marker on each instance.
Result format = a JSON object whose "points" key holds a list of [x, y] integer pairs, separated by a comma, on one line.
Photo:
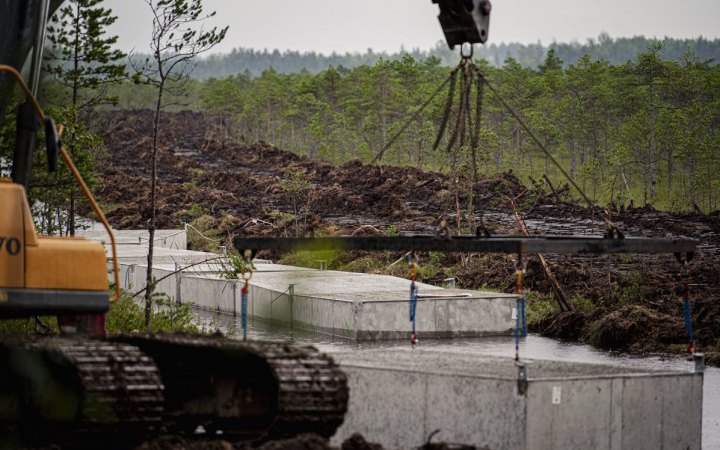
{"points": [[127, 316]]}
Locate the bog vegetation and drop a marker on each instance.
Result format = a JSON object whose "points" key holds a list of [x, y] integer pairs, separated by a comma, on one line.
{"points": [[644, 132]]}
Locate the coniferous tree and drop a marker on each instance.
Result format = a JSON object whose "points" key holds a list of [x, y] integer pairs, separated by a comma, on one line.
{"points": [[177, 38], [83, 61]]}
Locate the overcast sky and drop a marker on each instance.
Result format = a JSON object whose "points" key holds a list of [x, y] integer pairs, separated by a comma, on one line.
{"points": [[356, 25]]}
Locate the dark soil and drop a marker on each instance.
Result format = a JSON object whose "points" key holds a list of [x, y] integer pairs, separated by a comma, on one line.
{"points": [[302, 442], [624, 302]]}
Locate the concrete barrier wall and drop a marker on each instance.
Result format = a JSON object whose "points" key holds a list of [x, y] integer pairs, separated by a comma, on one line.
{"points": [[397, 399], [211, 293], [133, 277], [400, 409], [639, 412], [482, 315], [348, 305], [169, 239]]}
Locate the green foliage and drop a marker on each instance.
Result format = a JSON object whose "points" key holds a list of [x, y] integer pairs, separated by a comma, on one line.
{"points": [[281, 219], [178, 37], [30, 326], [203, 233], [53, 194], [616, 51], [83, 65], [296, 184], [128, 316], [313, 258], [582, 304], [81, 57], [196, 211], [392, 231], [235, 267], [644, 132], [629, 289], [364, 264], [539, 307], [125, 316]]}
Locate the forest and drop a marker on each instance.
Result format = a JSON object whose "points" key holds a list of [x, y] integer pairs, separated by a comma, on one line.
{"points": [[645, 132], [614, 50]]}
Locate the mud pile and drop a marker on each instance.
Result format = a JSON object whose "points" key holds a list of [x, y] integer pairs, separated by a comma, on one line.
{"points": [[250, 181], [624, 302]]}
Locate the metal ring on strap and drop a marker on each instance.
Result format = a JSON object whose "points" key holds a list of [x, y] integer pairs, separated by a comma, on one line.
{"points": [[468, 55]]}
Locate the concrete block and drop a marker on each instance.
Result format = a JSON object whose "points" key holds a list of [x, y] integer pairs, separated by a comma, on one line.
{"points": [[391, 411], [342, 304], [477, 400]]}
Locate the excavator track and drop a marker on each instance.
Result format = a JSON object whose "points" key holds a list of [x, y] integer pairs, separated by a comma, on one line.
{"points": [[313, 390], [77, 392], [246, 391], [116, 392]]}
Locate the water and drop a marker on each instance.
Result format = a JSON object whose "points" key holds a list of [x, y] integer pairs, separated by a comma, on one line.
{"points": [[535, 347]]}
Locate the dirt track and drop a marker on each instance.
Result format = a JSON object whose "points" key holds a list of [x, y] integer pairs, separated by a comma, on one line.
{"points": [[629, 300]]}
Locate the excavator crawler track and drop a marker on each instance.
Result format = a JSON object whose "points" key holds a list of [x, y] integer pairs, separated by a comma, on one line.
{"points": [[246, 391], [313, 390], [76, 392]]}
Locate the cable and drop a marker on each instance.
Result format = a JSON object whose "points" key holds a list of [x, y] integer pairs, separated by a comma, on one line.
{"points": [[411, 120], [527, 129], [448, 107]]}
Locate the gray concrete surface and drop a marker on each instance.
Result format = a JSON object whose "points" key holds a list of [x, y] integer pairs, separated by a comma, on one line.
{"points": [[171, 239], [398, 397], [349, 305]]}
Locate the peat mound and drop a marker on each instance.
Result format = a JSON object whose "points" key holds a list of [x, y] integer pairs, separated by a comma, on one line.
{"points": [[623, 301]]}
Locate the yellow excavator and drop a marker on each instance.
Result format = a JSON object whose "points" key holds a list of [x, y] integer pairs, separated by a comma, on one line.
{"points": [[40, 275], [85, 389]]}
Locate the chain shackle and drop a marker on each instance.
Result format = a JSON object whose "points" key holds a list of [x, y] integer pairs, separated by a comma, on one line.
{"points": [[469, 53]]}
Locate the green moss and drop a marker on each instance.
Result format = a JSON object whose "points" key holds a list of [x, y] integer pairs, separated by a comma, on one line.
{"points": [[313, 258], [203, 236], [539, 307], [582, 304]]}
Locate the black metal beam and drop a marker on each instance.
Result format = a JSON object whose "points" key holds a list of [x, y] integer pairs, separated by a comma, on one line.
{"points": [[472, 244]]}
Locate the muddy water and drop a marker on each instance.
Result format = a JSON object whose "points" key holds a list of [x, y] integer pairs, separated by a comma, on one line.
{"points": [[536, 347]]}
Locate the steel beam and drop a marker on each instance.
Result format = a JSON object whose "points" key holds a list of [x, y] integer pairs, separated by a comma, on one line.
{"points": [[472, 244]]}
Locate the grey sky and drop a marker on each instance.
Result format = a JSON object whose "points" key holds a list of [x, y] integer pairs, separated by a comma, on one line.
{"points": [[342, 25]]}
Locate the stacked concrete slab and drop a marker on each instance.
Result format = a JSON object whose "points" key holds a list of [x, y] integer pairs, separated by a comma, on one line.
{"points": [[349, 305], [399, 397]]}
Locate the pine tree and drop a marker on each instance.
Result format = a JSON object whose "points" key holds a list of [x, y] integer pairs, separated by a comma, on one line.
{"points": [[83, 61], [177, 38], [81, 56]]}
